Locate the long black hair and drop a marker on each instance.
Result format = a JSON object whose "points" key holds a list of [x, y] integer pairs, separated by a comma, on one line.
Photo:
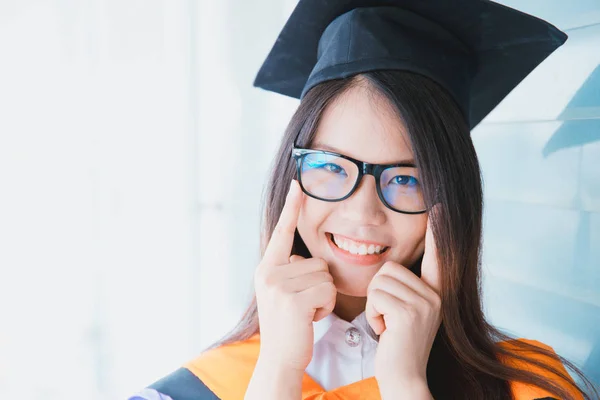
{"points": [[466, 360]]}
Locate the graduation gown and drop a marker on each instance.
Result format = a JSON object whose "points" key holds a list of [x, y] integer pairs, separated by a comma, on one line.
{"points": [[224, 374]]}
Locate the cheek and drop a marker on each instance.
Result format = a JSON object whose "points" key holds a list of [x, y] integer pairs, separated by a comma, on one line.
{"points": [[409, 231], [313, 215]]}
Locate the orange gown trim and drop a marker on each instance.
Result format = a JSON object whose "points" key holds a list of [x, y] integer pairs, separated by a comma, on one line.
{"points": [[227, 371]]}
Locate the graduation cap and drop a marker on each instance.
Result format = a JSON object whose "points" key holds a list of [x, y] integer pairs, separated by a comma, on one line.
{"points": [[477, 50]]}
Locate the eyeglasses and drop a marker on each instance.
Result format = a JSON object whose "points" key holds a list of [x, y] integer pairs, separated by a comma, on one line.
{"points": [[329, 176]]}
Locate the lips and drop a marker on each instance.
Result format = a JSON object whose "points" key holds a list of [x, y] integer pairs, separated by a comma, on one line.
{"points": [[356, 252], [357, 247]]}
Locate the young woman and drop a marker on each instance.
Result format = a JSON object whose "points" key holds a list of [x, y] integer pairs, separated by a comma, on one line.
{"points": [[369, 283]]}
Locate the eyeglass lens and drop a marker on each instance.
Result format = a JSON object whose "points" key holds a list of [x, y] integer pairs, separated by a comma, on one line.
{"points": [[330, 177]]}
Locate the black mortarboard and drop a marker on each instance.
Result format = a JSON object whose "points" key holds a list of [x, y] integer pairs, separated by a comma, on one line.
{"points": [[477, 50]]}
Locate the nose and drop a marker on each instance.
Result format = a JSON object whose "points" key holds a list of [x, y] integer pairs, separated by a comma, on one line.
{"points": [[364, 206]]}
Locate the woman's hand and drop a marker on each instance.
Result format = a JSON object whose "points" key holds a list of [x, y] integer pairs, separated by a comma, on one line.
{"points": [[406, 312], [291, 293]]}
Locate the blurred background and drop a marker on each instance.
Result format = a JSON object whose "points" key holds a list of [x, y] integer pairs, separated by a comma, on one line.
{"points": [[133, 154]]}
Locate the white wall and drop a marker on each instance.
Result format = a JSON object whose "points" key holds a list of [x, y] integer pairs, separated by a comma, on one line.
{"points": [[540, 154]]}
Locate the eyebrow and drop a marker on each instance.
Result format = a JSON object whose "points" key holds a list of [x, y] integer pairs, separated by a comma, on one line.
{"points": [[323, 146]]}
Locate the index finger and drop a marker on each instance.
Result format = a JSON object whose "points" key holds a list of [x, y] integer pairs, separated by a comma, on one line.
{"points": [[430, 269], [280, 245]]}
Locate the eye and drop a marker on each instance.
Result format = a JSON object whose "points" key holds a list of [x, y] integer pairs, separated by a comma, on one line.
{"points": [[404, 180], [336, 169], [327, 166]]}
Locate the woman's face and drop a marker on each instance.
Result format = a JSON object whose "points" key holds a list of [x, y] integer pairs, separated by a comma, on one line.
{"points": [[362, 125]]}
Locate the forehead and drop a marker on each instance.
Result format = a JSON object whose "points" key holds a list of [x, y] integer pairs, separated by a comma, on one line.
{"points": [[362, 124]]}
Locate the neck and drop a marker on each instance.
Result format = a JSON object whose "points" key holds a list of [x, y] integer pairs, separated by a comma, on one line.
{"points": [[348, 307]]}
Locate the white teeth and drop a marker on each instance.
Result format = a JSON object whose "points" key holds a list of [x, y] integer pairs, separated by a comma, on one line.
{"points": [[357, 248], [371, 249], [362, 250]]}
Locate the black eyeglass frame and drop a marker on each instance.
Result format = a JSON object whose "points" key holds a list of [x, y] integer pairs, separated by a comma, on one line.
{"points": [[364, 168]]}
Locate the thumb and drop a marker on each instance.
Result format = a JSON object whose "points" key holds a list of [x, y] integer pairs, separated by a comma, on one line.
{"points": [[295, 258], [374, 317], [322, 312]]}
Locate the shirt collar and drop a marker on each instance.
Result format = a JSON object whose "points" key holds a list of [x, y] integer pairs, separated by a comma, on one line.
{"points": [[323, 326]]}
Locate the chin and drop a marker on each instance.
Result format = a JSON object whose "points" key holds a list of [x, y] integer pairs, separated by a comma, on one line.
{"points": [[352, 283], [354, 291]]}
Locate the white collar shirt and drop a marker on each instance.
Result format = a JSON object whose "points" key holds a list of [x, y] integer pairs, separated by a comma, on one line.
{"points": [[343, 352]]}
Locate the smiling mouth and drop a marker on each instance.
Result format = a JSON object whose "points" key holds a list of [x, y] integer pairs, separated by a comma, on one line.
{"points": [[356, 248]]}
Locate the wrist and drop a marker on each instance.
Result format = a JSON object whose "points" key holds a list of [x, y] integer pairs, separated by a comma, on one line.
{"points": [[277, 369], [270, 381], [273, 361]]}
